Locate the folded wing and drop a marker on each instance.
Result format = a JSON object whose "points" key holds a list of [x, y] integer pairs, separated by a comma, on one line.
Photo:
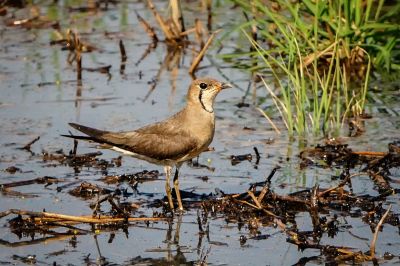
{"points": [[155, 141]]}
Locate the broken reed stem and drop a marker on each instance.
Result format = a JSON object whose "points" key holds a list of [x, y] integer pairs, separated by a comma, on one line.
{"points": [[262, 193], [251, 194], [200, 56], [370, 153], [122, 51], [80, 219], [247, 203], [28, 146], [168, 34], [199, 32], [341, 184], [78, 54], [269, 120], [377, 228], [149, 29], [187, 32], [177, 14], [79, 66], [75, 149], [209, 15], [124, 57]]}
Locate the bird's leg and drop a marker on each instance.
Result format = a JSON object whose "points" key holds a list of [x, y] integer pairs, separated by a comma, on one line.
{"points": [[176, 186], [167, 186]]}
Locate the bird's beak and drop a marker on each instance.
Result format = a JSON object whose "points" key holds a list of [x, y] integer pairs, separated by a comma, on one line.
{"points": [[225, 86]]}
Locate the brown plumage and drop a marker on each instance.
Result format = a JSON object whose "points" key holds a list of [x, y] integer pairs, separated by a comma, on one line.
{"points": [[170, 142]]}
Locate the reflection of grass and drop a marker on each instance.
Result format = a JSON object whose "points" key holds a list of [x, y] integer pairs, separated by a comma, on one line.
{"points": [[325, 50]]}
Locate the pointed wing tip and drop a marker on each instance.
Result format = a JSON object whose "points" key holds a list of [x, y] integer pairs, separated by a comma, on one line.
{"points": [[74, 125]]}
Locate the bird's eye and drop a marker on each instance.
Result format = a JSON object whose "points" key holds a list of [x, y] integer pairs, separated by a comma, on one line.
{"points": [[203, 86]]}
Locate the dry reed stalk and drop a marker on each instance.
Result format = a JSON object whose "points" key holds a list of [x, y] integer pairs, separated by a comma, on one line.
{"points": [[177, 17], [263, 193], [316, 55], [187, 32], [377, 228], [269, 120], [149, 29], [200, 56], [370, 153], [209, 15], [167, 32], [78, 55], [199, 32], [254, 198]]}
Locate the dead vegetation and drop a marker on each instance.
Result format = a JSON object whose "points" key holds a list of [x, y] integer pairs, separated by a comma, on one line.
{"points": [[257, 207]]}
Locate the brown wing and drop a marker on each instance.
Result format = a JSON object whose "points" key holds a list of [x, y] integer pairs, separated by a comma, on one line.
{"points": [[160, 147], [159, 141]]}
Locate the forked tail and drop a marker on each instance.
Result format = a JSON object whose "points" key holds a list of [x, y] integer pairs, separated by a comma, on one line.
{"points": [[92, 133]]}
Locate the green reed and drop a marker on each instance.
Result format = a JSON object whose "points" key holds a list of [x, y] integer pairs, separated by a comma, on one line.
{"points": [[320, 53]]}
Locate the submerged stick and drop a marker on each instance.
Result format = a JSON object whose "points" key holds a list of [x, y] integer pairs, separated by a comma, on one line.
{"points": [[40, 180], [28, 146], [123, 57], [80, 219], [122, 51]]}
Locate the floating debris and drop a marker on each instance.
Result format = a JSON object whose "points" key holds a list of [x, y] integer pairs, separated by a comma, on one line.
{"points": [[87, 190], [142, 176], [236, 159]]}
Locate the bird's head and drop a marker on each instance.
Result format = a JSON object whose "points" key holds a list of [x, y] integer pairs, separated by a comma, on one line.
{"points": [[204, 90]]}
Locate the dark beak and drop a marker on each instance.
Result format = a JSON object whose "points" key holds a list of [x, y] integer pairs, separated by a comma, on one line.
{"points": [[225, 86]]}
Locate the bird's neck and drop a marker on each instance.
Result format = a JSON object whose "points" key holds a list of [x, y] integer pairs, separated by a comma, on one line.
{"points": [[198, 118]]}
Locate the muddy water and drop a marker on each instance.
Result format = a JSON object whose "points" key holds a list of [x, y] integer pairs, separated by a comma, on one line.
{"points": [[39, 97]]}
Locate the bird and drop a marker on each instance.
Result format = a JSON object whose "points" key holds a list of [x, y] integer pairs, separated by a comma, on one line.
{"points": [[172, 141]]}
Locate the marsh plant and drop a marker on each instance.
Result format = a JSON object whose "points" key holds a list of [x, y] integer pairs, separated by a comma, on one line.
{"points": [[320, 53]]}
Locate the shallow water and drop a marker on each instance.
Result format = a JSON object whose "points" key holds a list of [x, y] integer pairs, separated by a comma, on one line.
{"points": [[39, 98]]}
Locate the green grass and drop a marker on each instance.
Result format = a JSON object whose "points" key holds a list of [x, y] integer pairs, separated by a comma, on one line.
{"points": [[320, 54]]}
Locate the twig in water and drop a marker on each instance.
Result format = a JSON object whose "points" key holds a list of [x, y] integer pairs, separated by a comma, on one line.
{"points": [[257, 155], [48, 180], [28, 146], [377, 228], [123, 57], [122, 51], [74, 150], [79, 219]]}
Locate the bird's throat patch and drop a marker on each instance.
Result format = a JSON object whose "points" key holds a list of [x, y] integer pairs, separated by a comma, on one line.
{"points": [[201, 99]]}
